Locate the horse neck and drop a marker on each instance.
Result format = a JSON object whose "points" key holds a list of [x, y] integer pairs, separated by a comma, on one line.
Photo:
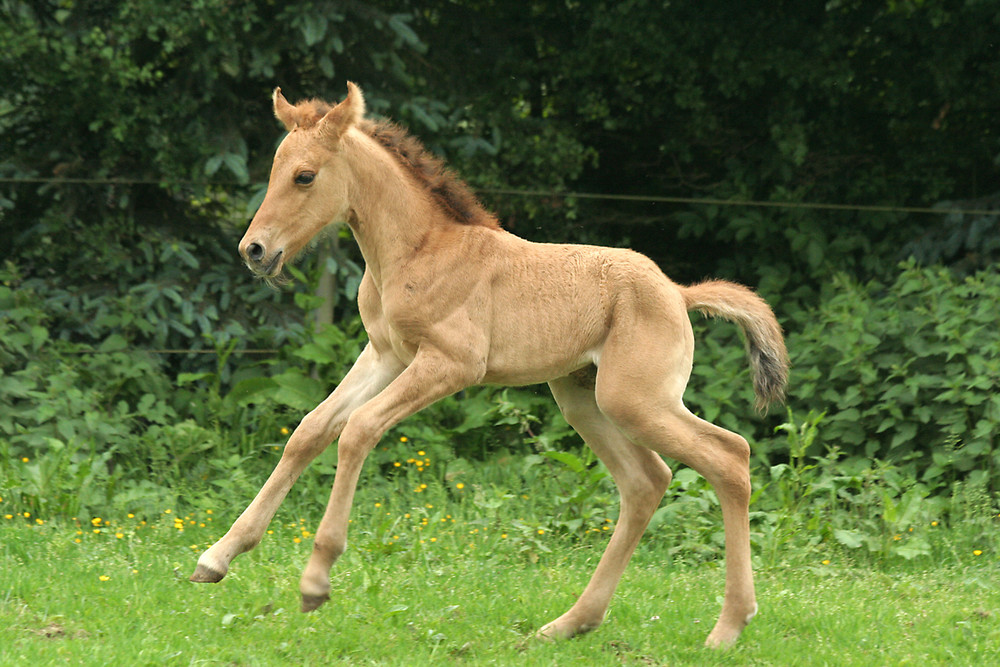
{"points": [[391, 216]]}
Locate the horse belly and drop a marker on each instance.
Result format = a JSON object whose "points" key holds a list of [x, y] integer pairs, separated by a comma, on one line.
{"points": [[536, 341]]}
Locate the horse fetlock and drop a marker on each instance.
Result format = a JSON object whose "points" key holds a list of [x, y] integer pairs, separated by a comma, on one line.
{"points": [[730, 625]]}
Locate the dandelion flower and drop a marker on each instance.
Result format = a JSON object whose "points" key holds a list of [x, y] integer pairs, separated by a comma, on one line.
{"points": [[826, 562], [541, 531], [934, 523], [396, 464], [119, 535], [977, 552], [8, 516], [403, 438], [24, 459], [297, 540], [420, 453], [104, 577], [460, 486], [39, 521], [26, 515], [284, 430]]}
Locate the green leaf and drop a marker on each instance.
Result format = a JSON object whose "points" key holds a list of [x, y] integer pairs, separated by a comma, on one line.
{"points": [[851, 539], [252, 390], [191, 378], [571, 461], [113, 343]]}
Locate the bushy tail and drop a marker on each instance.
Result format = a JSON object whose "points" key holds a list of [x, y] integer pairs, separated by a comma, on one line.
{"points": [[765, 344]]}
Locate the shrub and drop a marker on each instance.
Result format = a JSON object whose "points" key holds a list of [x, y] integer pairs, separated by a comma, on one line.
{"points": [[904, 371], [907, 371]]}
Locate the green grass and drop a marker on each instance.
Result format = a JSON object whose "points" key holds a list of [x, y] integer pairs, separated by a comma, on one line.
{"points": [[469, 593]]}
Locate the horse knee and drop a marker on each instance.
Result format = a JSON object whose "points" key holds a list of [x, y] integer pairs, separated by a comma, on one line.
{"points": [[307, 441]]}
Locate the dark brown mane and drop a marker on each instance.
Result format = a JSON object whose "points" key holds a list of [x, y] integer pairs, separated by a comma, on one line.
{"points": [[310, 112], [449, 191]]}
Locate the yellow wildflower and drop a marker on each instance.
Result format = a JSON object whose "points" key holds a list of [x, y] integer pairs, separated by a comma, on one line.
{"points": [[104, 577]]}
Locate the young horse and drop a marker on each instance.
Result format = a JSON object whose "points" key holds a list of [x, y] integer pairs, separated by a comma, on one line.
{"points": [[451, 300]]}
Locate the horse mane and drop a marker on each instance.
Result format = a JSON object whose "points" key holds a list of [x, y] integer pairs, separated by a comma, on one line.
{"points": [[449, 191]]}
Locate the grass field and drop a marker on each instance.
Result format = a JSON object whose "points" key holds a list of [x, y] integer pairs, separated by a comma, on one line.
{"points": [[114, 591]]}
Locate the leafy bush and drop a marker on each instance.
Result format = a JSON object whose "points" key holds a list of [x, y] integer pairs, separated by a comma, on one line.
{"points": [[905, 372]]}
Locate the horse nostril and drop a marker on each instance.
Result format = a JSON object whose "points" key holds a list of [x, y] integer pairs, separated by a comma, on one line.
{"points": [[255, 252]]}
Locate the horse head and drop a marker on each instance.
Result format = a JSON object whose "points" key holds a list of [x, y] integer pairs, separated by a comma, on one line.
{"points": [[308, 186]]}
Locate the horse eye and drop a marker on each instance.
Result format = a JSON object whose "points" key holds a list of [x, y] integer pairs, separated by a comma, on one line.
{"points": [[305, 178]]}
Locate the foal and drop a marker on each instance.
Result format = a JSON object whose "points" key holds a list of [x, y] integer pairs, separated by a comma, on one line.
{"points": [[449, 300]]}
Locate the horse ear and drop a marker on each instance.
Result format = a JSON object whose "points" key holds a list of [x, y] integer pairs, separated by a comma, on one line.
{"points": [[341, 117], [284, 111]]}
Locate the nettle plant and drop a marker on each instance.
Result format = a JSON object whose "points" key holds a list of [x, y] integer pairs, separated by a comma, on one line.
{"points": [[907, 372]]}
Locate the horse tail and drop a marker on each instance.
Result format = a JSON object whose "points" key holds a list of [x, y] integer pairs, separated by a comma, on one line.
{"points": [[765, 343]]}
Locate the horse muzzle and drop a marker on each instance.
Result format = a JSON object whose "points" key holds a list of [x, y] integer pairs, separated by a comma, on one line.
{"points": [[260, 261]]}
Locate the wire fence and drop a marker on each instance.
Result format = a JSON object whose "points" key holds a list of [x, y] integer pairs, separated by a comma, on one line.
{"points": [[695, 201]]}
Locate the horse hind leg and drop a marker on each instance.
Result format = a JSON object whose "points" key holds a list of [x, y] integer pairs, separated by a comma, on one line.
{"points": [[641, 477], [668, 428], [640, 384]]}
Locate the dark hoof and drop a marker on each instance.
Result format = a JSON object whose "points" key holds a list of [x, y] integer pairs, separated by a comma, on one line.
{"points": [[206, 575], [313, 602]]}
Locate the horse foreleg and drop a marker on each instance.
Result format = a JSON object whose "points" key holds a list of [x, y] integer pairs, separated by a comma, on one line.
{"points": [[369, 375], [641, 476], [429, 377]]}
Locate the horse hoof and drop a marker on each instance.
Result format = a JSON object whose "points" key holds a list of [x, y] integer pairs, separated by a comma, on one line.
{"points": [[206, 575], [313, 602]]}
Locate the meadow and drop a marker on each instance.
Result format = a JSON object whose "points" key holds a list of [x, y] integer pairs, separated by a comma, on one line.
{"points": [[442, 571]]}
